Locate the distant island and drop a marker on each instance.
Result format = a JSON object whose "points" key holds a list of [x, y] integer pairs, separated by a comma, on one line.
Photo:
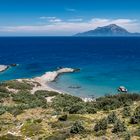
{"points": [[109, 30]]}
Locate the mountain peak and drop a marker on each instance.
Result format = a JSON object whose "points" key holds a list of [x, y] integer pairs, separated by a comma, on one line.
{"points": [[113, 25], [108, 30]]}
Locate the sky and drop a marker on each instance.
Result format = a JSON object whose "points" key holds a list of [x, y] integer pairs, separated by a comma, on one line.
{"points": [[65, 17]]}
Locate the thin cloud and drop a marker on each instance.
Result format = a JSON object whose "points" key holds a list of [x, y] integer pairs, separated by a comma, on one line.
{"points": [[75, 20], [70, 9], [55, 20], [58, 27], [45, 17], [51, 19]]}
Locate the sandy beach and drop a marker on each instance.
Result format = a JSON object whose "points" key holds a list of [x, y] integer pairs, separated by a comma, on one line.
{"points": [[3, 68], [48, 77]]}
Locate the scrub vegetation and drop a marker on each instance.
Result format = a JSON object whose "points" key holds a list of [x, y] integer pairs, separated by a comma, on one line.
{"points": [[25, 115]]}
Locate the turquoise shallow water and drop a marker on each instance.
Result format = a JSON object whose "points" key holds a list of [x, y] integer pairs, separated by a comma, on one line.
{"points": [[105, 63]]}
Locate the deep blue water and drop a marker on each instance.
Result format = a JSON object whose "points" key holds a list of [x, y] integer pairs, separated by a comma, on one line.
{"points": [[105, 63]]}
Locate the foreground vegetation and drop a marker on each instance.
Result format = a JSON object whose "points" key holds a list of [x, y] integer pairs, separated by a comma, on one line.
{"points": [[24, 115]]}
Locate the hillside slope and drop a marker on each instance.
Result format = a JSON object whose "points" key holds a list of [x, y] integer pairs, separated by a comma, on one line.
{"points": [[48, 115]]}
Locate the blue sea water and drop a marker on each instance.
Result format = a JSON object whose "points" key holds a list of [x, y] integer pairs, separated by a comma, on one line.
{"points": [[105, 62]]}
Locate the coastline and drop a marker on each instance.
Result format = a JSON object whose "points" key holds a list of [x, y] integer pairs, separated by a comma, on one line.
{"points": [[3, 68], [42, 82], [49, 77]]}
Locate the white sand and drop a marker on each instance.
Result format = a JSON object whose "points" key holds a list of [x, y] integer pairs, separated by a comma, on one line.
{"points": [[50, 77], [3, 68]]}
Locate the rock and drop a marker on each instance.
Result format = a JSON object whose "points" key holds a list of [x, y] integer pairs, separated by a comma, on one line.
{"points": [[13, 65], [75, 87]]}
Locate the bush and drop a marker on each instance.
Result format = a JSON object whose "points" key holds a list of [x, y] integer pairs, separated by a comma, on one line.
{"points": [[110, 102], [91, 110], [118, 127], [135, 119], [30, 100], [125, 135], [101, 125], [77, 109], [15, 110], [77, 128], [4, 95], [112, 118], [2, 110], [126, 112], [18, 85], [65, 102], [63, 118], [44, 93], [3, 89], [137, 111]]}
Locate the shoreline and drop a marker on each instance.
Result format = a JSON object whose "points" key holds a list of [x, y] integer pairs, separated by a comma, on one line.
{"points": [[49, 77], [4, 68]]}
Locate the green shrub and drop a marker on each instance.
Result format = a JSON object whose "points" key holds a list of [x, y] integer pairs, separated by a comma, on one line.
{"points": [[44, 93], [4, 95], [15, 110], [118, 127], [126, 112], [137, 111], [65, 102], [91, 110], [111, 102], [30, 100], [101, 125], [2, 109], [77, 109], [135, 119], [112, 118], [77, 128], [3, 89], [125, 135], [18, 85]]}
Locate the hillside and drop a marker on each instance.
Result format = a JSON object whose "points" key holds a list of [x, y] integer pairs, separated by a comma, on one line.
{"points": [[48, 115], [109, 30]]}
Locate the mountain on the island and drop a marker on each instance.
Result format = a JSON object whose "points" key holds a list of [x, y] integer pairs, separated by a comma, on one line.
{"points": [[110, 30]]}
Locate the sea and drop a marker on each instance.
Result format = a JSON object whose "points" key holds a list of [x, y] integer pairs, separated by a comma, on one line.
{"points": [[105, 63]]}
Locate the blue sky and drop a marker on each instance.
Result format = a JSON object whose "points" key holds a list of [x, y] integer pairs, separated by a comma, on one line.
{"points": [[66, 17]]}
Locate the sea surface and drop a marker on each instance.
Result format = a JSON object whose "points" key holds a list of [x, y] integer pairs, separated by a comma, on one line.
{"points": [[105, 62]]}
